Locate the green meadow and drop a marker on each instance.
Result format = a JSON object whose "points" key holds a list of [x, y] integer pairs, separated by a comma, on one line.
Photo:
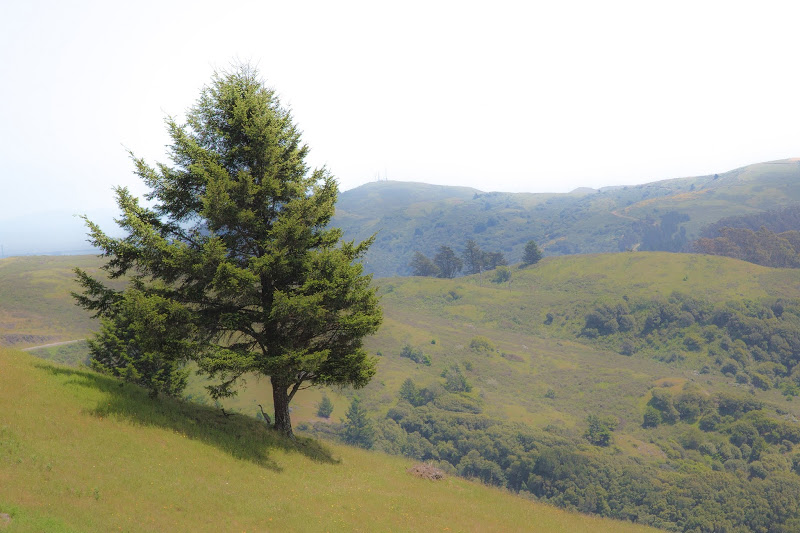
{"points": [[83, 452]]}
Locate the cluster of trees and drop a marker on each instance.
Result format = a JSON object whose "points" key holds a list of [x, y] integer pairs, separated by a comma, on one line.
{"points": [[762, 247], [473, 260], [232, 265], [757, 343], [697, 490], [446, 264], [770, 238], [666, 235]]}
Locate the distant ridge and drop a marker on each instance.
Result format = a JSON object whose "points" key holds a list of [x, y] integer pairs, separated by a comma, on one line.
{"points": [[659, 216]]}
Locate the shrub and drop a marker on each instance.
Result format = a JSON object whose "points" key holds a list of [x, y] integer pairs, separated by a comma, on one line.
{"points": [[481, 344], [415, 355]]}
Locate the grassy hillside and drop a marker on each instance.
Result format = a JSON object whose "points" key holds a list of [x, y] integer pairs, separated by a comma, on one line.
{"points": [[516, 377], [411, 216], [36, 307], [80, 452]]}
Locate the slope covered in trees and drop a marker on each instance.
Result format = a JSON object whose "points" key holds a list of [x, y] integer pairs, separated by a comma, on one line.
{"points": [[665, 215], [770, 238]]}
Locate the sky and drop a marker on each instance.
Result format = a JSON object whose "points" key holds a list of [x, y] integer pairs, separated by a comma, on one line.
{"points": [[502, 96]]}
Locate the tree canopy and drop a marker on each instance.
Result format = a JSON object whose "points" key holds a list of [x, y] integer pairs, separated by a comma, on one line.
{"points": [[532, 254], [235, 254]]}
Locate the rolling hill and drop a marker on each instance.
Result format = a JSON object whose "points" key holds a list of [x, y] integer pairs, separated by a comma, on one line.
{"points": [[663, 215], [532, 373]]}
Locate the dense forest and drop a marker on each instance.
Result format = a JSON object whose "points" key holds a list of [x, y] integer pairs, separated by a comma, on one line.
{"points": [[770, 238]]}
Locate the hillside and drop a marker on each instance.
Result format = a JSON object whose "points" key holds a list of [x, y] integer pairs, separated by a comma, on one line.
{"points": [[662, 215], [80, 452], [655, 387]]}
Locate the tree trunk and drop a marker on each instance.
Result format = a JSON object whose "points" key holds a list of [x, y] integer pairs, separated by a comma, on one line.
{"points": [[280, 399]]}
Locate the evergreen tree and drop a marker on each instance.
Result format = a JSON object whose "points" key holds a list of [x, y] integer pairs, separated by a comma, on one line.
{"points": [[448, 262], [422, 266], [473, 258], [358, 429], [532, 254], [236, 244], [324, 407], [143, 340]]}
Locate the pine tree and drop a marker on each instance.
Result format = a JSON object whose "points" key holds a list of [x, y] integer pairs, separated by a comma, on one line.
{"points": [[236, 242], [325, 407], [532, 254], [358, 429]]}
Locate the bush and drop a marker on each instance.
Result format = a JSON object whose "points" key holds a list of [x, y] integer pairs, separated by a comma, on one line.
{"points": [[415, 355], [481, 344], [651, 417], [501, 275]]}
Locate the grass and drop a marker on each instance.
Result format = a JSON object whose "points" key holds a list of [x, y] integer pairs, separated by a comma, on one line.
{"points": [[36, 307], [82, 452]]}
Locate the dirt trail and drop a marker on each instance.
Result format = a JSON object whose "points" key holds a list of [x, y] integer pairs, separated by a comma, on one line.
{"points": [[28, 349]]}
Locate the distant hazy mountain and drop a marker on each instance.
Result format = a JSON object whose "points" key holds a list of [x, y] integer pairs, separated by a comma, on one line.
{"points": [[663, 215], [407, 217]]}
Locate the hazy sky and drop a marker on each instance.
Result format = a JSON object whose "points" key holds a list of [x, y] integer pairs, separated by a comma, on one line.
{"points": [[511, 96]]}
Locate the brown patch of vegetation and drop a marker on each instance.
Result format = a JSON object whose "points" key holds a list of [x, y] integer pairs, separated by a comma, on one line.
{"points": [[426, 471]]}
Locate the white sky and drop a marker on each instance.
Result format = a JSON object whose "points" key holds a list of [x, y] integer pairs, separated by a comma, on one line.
{"points": [[511, 96]]}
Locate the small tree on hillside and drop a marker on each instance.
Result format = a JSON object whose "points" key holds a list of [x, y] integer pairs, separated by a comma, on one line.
{"points": [[448, 262], [358, 429], [324, 407], [473, 258], [531, 255], [422, 266]]}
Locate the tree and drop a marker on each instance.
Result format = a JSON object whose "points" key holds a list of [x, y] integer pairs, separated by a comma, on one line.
{"points": [[532, 254], [473, 257], [422, 266], [236, 244], [358, 429], [492, 260], [448, 262], [324, 407]]}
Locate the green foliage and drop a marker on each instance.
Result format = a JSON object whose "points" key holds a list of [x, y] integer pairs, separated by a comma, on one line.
{"points": [[531, 255], [455, 380], [762, 247], [145, 339], [481, 344], [236, 244], [448, 263], [473, 258], [422, 266], [325, 407], [416, 355], [651, 417], [501, 275], [358, 429], [600, 430], [415, 396]]}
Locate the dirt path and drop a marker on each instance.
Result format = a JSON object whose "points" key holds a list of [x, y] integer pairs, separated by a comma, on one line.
{"points": [[30, 348]]}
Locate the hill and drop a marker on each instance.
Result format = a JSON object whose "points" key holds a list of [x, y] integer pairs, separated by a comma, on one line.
{"points": [[655, 387], [663, 215], [81, 452]]}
